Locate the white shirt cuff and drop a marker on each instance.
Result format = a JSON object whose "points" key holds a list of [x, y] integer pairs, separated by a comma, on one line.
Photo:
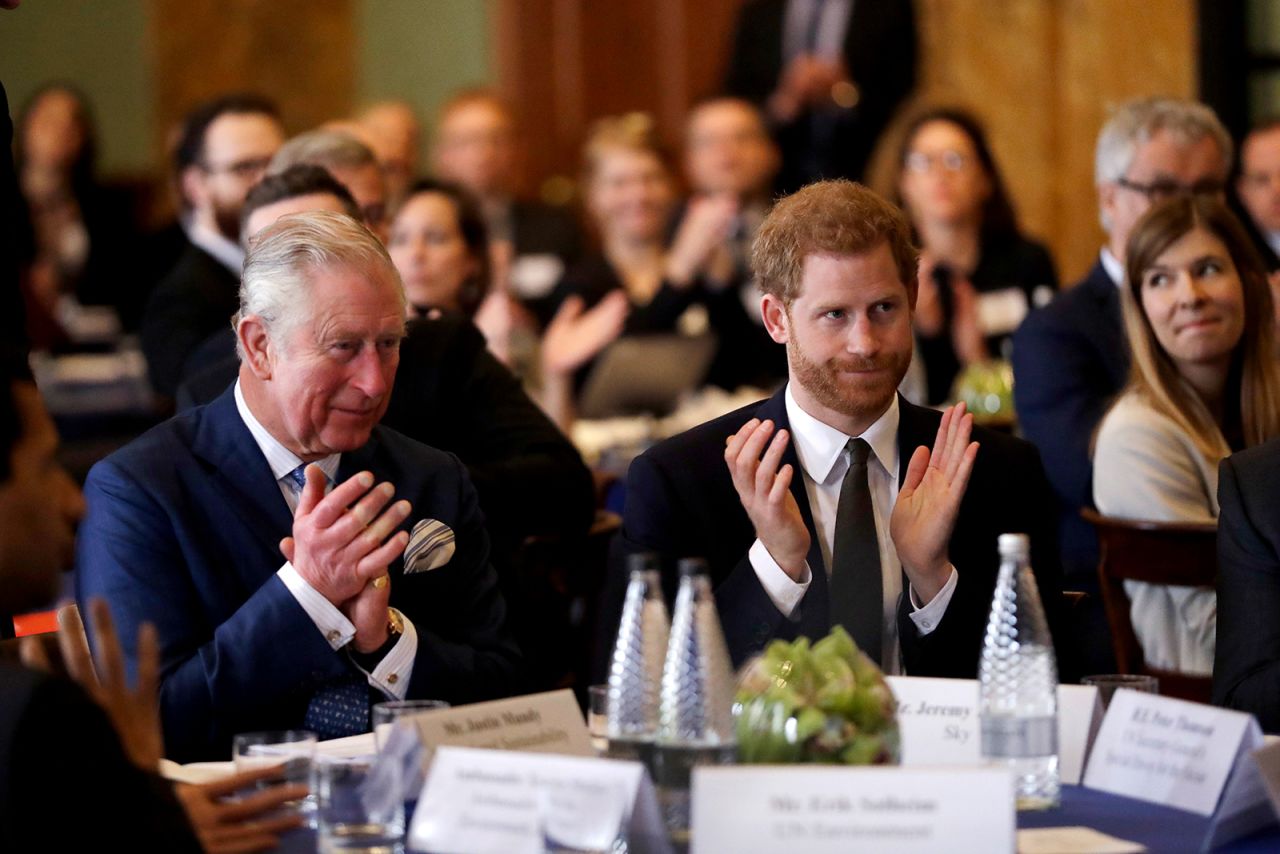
{"points": [[927, 618], [783, 592], [391, 676], [330, 621]]}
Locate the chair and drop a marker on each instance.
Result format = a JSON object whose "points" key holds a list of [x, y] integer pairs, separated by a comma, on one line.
{"points": [[1158, 553]]}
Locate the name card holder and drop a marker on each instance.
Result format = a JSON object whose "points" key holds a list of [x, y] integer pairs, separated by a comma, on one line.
{"points": [[1184, 755], [549, 722]]}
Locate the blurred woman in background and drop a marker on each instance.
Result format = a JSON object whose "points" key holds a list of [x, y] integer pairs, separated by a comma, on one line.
{"points": [[1204, 382], [979, 275]]}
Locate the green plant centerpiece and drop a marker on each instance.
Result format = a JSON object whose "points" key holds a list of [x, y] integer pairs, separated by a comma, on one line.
{"points": [[825, 703]]}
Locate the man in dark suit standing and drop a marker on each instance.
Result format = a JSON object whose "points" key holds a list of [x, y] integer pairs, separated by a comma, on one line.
{"points": [[1246, 669], [1070, 358], [829, 74], [373, 597], [823, 504], [1258, 190], [224, 149]]}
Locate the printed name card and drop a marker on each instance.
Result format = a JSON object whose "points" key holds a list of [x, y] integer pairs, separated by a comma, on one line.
{"points": [[480, 801], [820, 809], [938, 719], [549, 722], [1185, 755]]}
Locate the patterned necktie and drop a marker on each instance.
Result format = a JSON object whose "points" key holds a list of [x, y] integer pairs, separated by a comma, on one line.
{"points": [[857, 589], [341, 707]]}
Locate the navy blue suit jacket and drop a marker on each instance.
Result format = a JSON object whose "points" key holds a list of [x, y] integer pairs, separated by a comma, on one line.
{"points": [[681, 502], [1070, 359], [183, 529]]}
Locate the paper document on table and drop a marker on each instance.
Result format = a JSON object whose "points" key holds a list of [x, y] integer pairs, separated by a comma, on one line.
{"points": [[196, 772], [348, 747], [1073, 840]]}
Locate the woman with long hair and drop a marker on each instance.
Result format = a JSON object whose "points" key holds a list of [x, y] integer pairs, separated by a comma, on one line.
{"points": [[979, 275], [1204, 382]]}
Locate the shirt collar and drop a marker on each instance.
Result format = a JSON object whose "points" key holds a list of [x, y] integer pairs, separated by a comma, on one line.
{"points": [[280, 458], [819, 446], [226, 252], [1112, 265]]}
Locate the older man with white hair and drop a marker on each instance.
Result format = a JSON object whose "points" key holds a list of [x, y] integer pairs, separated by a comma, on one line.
{"points": [[299, 561], [1070, 358]]}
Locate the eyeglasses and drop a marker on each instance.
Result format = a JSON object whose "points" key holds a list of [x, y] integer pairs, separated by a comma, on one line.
{"points": [[1159, 191], [248, 169], [951, 161]]}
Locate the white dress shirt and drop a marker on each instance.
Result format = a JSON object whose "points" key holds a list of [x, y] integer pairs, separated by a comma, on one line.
{"points": [[831, 29], [823, 463], [391, 676], [228, 253], [1111, 264]]}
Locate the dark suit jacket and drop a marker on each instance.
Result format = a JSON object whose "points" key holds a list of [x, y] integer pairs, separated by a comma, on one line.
{"points": [[13, 330], [880, 53], [681, 502], [183, 528], [197, 297], [99, 799], [450, 393], [1070, 359], [1246, 671]]}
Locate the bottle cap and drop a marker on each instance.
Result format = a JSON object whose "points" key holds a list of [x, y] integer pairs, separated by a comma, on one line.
{"points": [[642, 562], [692, 567], [1014, 545]]}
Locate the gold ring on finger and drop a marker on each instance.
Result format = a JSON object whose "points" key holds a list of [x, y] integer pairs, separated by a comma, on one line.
{"points": [[380, 582]]}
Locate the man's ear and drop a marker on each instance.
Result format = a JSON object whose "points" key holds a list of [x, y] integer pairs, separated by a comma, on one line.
{"points": [[776, 320], [193, 186], [256, 346], [1107, 202]]}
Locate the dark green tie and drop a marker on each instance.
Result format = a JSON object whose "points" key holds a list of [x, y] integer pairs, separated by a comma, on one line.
{"points": [[857, 591]]}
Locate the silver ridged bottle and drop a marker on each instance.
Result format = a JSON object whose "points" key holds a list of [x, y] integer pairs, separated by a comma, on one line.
{"points": [[695, 714], [635, 672], [1018, 681]]}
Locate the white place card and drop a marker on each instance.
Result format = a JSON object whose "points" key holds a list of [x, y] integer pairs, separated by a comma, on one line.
{"points": [[821, 809], [478, 801], [938, 719], [549, 722], [1184, 755]]}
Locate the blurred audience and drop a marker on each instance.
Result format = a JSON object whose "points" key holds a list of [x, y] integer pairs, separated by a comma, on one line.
{"points": [[477, 146], [829, 75], [224, 149], [1258, 189], [1070, 358], [395, 136], [1204, 383], [79, 235], [439, 244], [979, 276], [348, 160]]}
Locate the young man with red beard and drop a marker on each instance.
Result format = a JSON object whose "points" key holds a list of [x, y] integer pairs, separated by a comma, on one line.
{"points": [[836, 501]]}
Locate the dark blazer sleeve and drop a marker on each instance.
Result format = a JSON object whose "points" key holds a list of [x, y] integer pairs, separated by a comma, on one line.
{"points": [[1246, 672], [255, 670]]}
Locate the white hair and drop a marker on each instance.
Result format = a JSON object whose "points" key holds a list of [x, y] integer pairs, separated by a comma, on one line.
{"points": [[275, 283], [1136, 122], [332, 149]]}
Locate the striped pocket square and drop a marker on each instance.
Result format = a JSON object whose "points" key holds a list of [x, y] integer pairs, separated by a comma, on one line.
{"points": [[431, 545]]}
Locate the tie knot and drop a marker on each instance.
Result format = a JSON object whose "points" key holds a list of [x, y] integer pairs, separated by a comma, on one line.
{"points": [[859, 451], [297, 478]]}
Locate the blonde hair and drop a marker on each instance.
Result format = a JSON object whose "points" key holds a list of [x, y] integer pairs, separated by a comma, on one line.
{"points": [[627, 132], [1153, 374]]}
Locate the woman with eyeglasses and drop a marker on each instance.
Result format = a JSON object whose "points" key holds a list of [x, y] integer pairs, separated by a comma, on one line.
{"points": [[1204, 382], [979, 275]]}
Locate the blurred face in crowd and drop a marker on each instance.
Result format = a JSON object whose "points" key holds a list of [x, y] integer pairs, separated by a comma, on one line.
{"points": [[367, 185], [1259, 183], [55, 131], [943, 181], [848, 335], [430, 252], [267, 214], [729, 150], [1194, 300], [630, 195], [1162, 167], [327, 381], [394, 132], [39, 508], [475, 147], [237, 149]]}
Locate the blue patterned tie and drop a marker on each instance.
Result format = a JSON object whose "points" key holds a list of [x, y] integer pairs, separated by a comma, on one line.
{"points": [[341, 707]]}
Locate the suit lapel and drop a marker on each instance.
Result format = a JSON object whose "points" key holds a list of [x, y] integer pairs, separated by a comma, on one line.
{"points": [[815, 608], [1109, 327]]}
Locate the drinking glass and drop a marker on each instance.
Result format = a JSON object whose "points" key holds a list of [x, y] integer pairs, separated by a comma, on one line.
{"points": [[387, 713], [294, 750], [598, 718], [359, 805]]}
